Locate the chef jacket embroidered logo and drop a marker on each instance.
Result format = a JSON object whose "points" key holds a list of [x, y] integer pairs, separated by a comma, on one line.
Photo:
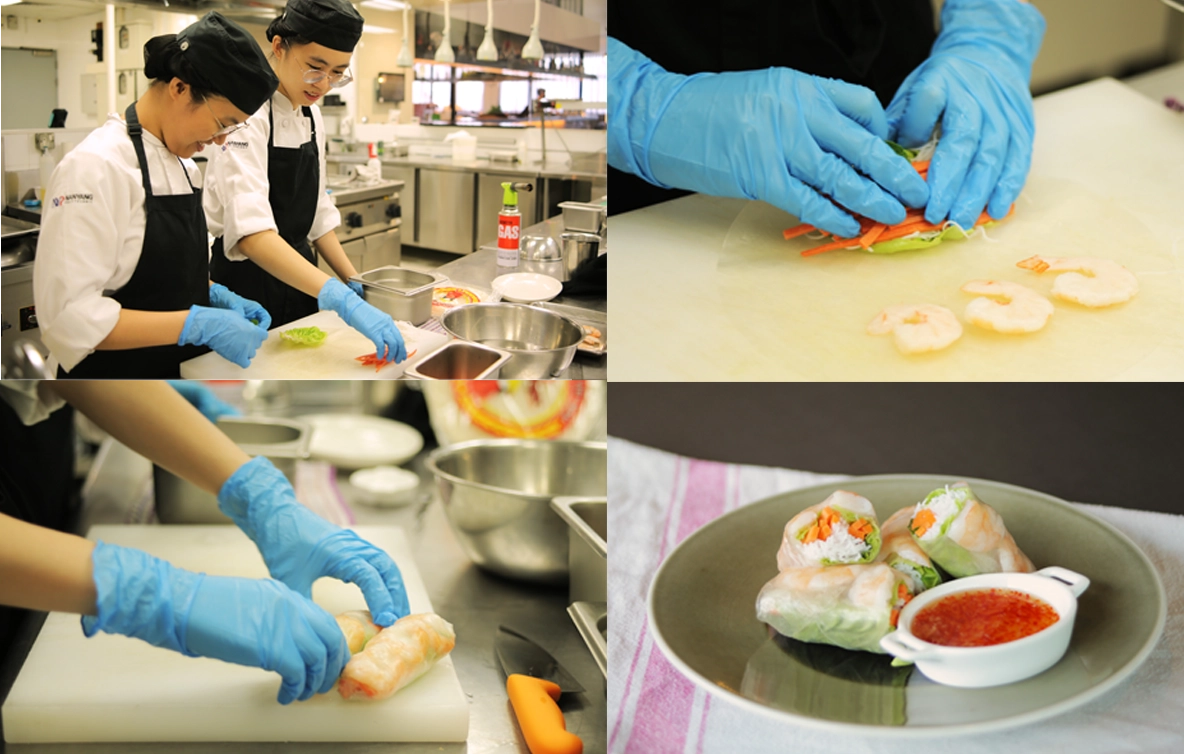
{"points": [[236, 145], [58, 201]]}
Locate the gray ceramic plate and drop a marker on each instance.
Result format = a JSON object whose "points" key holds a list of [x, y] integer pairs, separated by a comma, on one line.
{"points": [[702, 611]]}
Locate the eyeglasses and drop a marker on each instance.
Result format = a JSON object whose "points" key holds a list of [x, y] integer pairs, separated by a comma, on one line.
{"points": [[224, 130], [336, 80]]}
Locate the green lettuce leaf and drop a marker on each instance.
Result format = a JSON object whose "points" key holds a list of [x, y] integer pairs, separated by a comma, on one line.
{"points": [[303, 337]]}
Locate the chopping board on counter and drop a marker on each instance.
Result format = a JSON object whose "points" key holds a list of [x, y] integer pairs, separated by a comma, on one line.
{"points": [[334, 358], [113, 688]]}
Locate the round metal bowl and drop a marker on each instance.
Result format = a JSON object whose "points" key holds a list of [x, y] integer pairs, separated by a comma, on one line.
{"points": [[541, 343], [497, 497]]}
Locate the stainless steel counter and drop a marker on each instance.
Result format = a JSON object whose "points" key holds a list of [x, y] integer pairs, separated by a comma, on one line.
{"points": [[472, 600], [480, 268], [584, 168]]}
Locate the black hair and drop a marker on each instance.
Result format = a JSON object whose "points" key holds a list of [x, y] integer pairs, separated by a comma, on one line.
{"points": [[163, 62], [288, 36]]}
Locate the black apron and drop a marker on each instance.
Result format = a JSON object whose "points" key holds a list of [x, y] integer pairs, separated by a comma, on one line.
{"points": [[36, 485], [294, 177], [172, 275], [872, 43]]}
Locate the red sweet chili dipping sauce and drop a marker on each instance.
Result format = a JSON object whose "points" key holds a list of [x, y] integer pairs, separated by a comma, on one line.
{"points": [[982, 617]]}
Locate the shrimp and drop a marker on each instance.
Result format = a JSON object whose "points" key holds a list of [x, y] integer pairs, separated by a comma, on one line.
{"points": [[1087, 281], [358, 628], [917, 328], [398, 655], [1006, 307]]}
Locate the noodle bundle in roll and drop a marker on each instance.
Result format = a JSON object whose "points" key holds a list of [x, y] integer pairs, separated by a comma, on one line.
{"points": [[841, 530]]}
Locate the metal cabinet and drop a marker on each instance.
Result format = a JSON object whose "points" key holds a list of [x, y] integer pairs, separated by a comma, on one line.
{"points": [[490, 201], [406, 197], [444, 208], [374, 250]]}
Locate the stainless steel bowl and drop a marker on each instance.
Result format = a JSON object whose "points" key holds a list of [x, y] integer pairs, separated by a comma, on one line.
{"points": [[406, 295], [497, 497], [281, 440], [541, 343]]}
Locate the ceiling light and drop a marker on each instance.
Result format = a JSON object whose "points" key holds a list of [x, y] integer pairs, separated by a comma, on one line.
{"points": [[444, 52], [488, 50], [376, 29], [385, 4], [533, 49], [406, 57]]}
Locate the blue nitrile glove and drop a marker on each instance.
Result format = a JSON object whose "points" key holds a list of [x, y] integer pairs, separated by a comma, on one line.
{"points": [[975, 83], [778, 135], [356, 287], [203, 399], [222, 298], [300, 547], [375, 325], [227, 332], [255, 622]]}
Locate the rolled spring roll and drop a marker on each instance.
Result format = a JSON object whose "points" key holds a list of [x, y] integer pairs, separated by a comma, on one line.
{"points": [[358, 627], [840, 530], [899, 550], [964, 535], [848, 606], [398, 655]]}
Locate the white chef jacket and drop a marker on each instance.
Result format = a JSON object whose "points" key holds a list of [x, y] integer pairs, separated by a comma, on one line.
{"points": [[92, 230], [236, 195], [25, 400]]}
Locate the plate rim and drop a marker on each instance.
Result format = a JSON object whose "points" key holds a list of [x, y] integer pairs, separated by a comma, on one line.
{"points": [[327, 416], [904, 731], [511, 276]]}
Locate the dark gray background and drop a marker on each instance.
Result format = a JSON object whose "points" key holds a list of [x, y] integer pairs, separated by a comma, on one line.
{"points": [[1119, 445]]}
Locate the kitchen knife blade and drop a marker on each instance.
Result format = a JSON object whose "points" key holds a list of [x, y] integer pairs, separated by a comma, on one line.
{"points": [[533, 682], [519, 654]]}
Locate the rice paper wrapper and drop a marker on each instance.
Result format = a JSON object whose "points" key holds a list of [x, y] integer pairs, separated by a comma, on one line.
{"points": [[795, 554], [900, 551], [971, 541], [845, 606]]}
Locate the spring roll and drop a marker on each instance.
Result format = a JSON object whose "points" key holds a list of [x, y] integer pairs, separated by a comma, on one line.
{"points": [[841, 530], [850, 606], [358, 627], [900, 551], [399, 654], [964, 535]]}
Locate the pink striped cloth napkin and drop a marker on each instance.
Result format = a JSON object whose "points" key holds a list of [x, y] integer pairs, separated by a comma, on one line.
{"points": [[657, 499]]}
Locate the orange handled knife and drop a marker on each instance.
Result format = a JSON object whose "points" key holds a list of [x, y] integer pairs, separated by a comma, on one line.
{"points": [[534, 681]]}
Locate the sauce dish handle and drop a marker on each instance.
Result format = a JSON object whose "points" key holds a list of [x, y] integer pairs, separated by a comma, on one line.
{"points": [[906, 647], [1075, 581]]}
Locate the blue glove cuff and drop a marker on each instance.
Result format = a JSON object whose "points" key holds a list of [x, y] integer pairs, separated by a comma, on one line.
{"points": [[141, 596], [1012, 27], [336, 296], [234, 499]]}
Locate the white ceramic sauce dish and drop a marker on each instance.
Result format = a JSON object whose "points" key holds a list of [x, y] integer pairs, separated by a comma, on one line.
{"points": [[997, 664]]}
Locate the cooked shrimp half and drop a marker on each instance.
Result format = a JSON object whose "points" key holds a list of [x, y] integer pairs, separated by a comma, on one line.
{"points": [[917, 328], [1006, 307], [1087, 280]]}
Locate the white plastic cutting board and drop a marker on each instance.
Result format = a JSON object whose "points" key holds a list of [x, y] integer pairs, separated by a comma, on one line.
{"points": [[113, 688], [333, 359]]}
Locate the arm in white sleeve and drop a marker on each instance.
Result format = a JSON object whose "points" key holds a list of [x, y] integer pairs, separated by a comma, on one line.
{"points": [[237, 188], [78, 254]]}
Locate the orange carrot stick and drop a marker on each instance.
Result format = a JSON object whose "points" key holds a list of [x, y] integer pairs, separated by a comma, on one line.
{"points": [[842, 243], [870, 237], [797, 230], [922, 521]]}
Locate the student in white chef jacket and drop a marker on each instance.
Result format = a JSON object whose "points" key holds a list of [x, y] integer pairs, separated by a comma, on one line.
{"points": [[265, 199], [121, 278], [268, 623]]}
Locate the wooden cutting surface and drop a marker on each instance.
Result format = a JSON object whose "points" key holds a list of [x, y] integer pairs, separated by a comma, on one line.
{"points": [[712, 292]]}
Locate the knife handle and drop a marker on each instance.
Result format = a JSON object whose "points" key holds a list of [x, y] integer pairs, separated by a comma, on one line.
{"points": [[534, 702]]}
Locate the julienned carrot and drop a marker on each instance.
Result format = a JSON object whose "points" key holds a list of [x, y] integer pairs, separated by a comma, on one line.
{"points": [[842, 243], [922, 521], [870, 237], [798, 230], [860, 529]]}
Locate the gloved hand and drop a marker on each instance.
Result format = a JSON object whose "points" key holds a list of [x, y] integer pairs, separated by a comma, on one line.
{"points": [[976, 81], [222, 298], [227, 332], [300, 547], [356, 287], [203, 399], [255, 622], [375, 325], [778, 135]]}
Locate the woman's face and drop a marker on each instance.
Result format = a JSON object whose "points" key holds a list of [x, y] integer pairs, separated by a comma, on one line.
{"points": [[190, 125], [293, 63]]}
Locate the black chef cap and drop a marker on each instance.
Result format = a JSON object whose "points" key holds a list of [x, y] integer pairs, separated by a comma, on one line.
{"points": [[229, 60], [333, 23]]}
